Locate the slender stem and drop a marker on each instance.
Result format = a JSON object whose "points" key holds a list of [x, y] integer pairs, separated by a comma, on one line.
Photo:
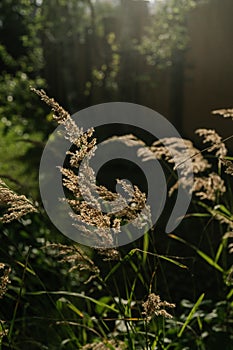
{"points": [[19, 295]]}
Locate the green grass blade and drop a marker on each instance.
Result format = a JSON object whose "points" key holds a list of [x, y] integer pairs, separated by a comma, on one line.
{"points": [[145, 247], [190, 315], [164, 257], [118, 265], [25, 267], [75, 310], [73, 294], [203, 255], [219, 251], [209, 260], [198, 215]]}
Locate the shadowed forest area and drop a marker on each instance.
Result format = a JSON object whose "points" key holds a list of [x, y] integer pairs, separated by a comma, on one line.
{"points": [[163, 290]]}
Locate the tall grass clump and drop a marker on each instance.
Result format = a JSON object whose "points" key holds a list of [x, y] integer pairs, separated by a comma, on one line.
{"points": [[56, 294]]}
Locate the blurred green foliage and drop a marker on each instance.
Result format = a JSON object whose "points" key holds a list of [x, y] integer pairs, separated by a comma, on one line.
{"points": [[167, 32], [48, 44]]}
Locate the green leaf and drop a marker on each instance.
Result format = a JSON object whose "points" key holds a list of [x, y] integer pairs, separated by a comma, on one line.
{"points": [[75, 309], [71, 306], [219, 251], [223, 209], [116, 267], [105, 300], [26, 268], [190, 315], [230, 294], [132, 252], [73, 294], [199, 215], [203, 255], [145, 247], [209, 260]]}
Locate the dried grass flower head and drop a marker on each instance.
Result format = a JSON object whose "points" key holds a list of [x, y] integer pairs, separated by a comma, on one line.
{"points": [[109, 254], [153, 306], [73, 133], [4, 278], [209, 187], [87, 199], [16, 205], [106, 345], [229, 166], [76, 258], [3, 330], [172, 149], [177, 151], [224, 112], [229, 235], [230, 245], [216, 143]]}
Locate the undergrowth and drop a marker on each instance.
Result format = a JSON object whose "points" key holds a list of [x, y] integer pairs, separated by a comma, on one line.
{"points": [[170, 294]]}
